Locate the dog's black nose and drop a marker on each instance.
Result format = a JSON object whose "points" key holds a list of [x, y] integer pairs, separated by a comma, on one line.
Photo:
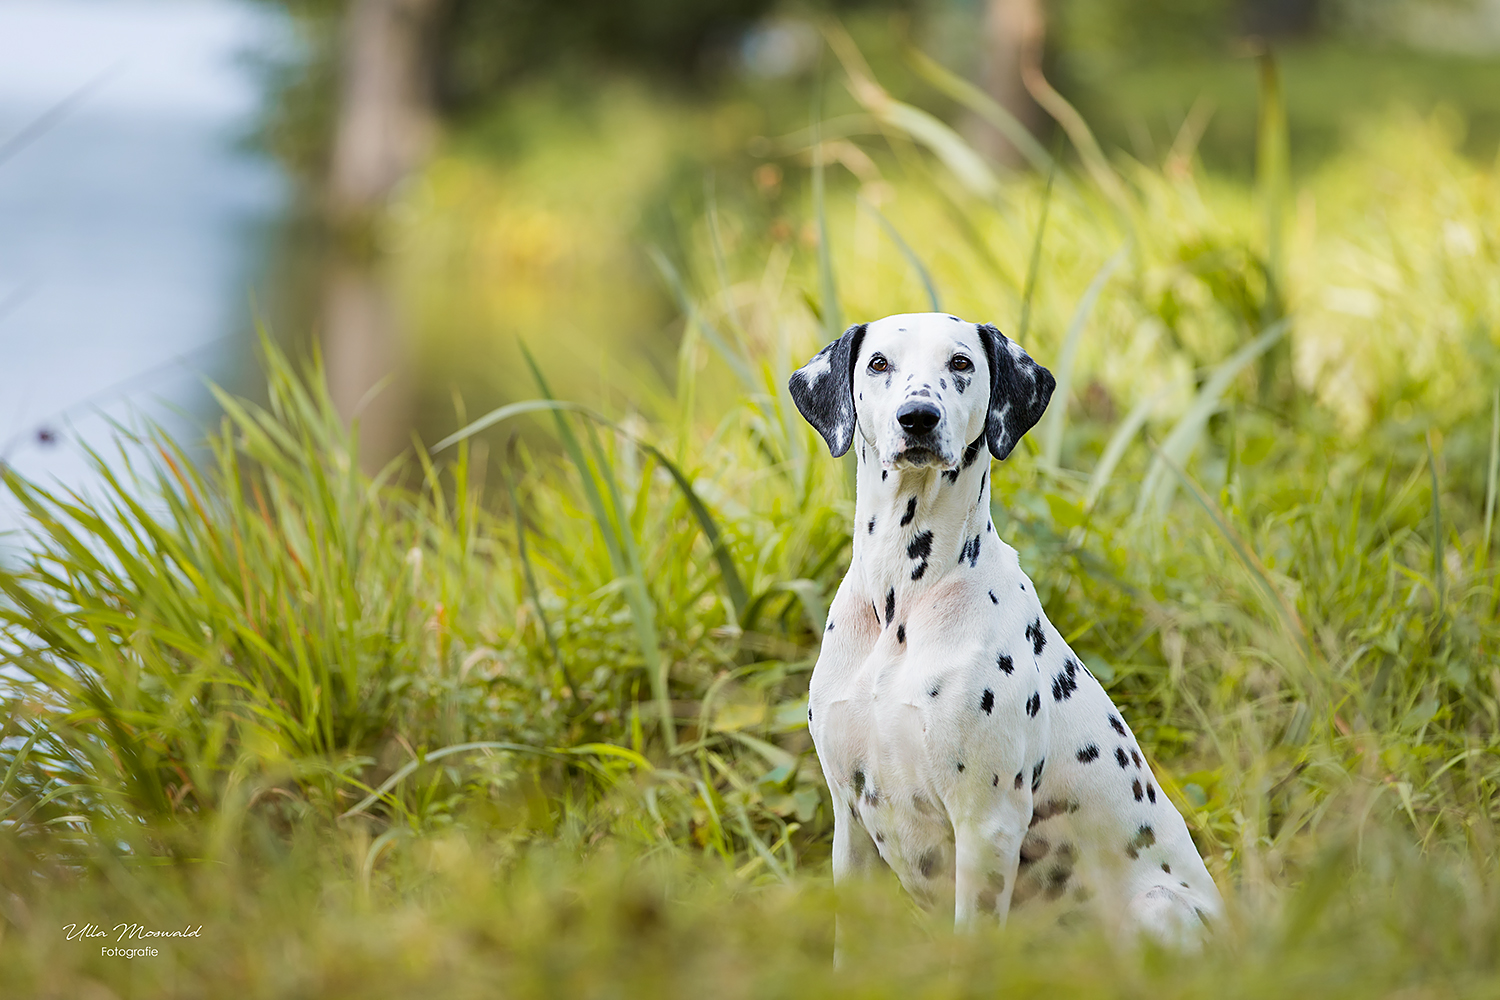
{"points": [[916, 417]]}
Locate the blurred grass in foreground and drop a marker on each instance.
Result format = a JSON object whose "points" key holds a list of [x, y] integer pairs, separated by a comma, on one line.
{"points": [[375, 737]]}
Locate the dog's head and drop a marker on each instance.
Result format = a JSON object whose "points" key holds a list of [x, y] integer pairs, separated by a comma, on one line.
{"points": [[920, 387]]}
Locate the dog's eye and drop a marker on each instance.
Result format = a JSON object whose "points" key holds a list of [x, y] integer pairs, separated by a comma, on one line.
{"points": [[878, 363], [961, 363]]}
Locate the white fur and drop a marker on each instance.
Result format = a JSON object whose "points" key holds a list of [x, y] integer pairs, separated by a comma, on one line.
{"points": [[891, 749]]}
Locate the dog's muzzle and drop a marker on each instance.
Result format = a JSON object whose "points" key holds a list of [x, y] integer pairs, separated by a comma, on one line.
{"points": [[919, 421]]}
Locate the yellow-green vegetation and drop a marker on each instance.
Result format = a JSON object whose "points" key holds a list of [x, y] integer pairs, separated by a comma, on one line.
{"points": [[544, 735]]}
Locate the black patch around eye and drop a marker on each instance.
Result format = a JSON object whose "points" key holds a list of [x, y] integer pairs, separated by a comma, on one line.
{"points": [[890, 604], [960, 384], [1005, 663], [1088, 754], [987, 702], [911, 512]]}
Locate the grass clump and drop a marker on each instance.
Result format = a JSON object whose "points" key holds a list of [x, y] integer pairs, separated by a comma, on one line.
{"points": [[549, 737]]}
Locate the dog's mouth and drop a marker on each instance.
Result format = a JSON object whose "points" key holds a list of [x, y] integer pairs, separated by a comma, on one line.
{"points": [[919, 457]]}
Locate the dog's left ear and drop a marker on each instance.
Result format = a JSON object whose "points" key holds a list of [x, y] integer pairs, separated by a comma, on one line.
{"points": [[1019, 391], [823, 390]]}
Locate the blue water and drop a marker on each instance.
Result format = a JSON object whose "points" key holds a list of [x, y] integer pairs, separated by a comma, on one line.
{"points": [[134, 220]]}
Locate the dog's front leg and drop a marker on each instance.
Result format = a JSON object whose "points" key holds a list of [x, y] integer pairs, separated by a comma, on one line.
{"points": [[987, 854], [855, 858]]}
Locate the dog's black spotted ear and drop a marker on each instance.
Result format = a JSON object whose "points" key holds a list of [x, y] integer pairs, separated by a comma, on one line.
{"points": [[823, 390], [1019, 391]]}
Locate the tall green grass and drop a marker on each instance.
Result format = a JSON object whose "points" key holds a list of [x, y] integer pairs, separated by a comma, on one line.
{"points": [[383, 733]]}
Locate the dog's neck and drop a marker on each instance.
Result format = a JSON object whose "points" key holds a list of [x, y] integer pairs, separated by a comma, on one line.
{"points": [[915, 526]]}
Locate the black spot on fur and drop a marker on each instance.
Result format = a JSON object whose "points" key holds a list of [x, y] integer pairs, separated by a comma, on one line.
{"points": [[911, 512], [1057, 882], [1005, 663], [1117, 725], [920, 548], [1202, 917], [884, 473], [927, 864], [1150, 793], [955, 319], [1038, 640], [872, 526], [879, 837], [993, 598], [1052, 807], [1034, 705], [934, 692], [960, 767], [1144, 837], [809, 713], [942, 383], [1135, 757], [901, 632], [1166, 868], [1065, 683], [1088, 754], [970, 552], [951, 475], [987, 701], [1036, 774], [972, 451], [890, 604], [1034, 848], [859, 781], [1020, 779], [982, 480], [1121, 757], [1137, 790], [960, 384], [829, 628]]}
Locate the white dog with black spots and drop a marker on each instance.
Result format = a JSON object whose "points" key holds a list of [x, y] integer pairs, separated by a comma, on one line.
{"points": [[963, 742]]}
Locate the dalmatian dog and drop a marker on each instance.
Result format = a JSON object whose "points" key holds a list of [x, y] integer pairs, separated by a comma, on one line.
{"points": [[965, 745]]}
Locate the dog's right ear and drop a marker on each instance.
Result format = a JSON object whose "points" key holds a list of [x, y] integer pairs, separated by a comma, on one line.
{"points": [[823, 390]]}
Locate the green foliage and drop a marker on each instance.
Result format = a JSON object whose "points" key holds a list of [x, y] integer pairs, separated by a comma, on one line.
{"points": [[400, 735]]}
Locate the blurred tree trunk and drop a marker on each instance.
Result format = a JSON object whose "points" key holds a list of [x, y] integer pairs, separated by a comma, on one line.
{"points": [[1014, 31], [384, 126]]}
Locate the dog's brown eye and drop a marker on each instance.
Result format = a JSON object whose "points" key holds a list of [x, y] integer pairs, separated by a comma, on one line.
{"points": [[878, 363], [961, 363]]}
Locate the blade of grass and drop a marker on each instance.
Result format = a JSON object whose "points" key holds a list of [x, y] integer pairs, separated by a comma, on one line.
{"points": [[906, 252], [983, 105], [1035, 266], [1489, 483], [1290, 620], [1179, 443], [1057, 416], [1439, 574], [529, 575]]}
